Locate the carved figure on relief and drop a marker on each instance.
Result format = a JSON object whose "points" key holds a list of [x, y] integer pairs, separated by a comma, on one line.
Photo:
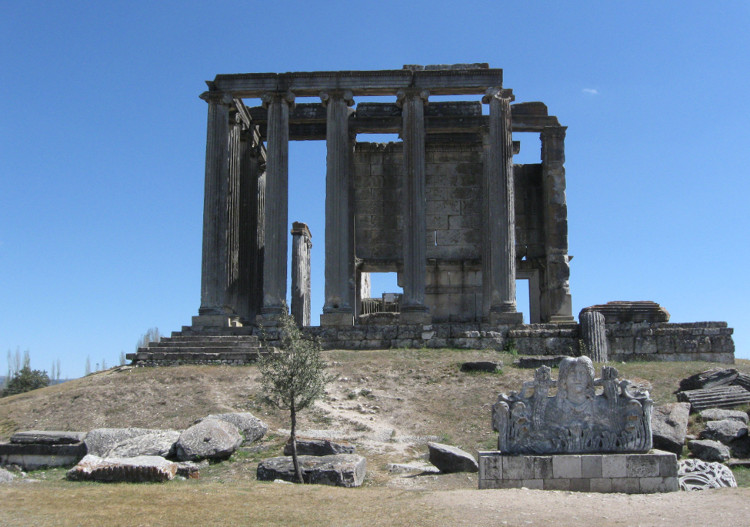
{"points": [[576, 419]]}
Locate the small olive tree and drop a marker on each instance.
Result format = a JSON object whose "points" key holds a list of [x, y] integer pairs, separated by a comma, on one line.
{"points": [[294, 377]]}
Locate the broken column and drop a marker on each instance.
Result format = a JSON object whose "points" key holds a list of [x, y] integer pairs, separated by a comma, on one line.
{"points": [[301, 245], [556, 301], [594, 335], [277, 205], [499, 253], [338, 309], [413, 308]]}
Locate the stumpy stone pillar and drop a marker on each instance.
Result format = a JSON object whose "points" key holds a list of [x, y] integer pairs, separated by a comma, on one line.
{"points": [[413, 308], [499, 254], [301, 246], [556, 301], [338, 309], [594, 336], [215, 309], [277, 206]]}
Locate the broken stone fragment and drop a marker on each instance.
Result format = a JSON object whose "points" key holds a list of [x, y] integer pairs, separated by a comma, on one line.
{"points": [[101, 440], [725, 431], [318, 447], [251, 428], [209, 439], [140, 469], [152, 443], [342, 470], [669, 425], [709, 450], [44, 437], [6, 476], [719, 414], [451, 459], [694, 474]]}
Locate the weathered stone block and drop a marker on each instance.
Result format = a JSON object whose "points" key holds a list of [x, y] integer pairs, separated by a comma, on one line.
{"points": [[537, 484], [557, 484], [626, 485], [642, 466], [566, 466], [614, 466], [518, 467], [343, 470], [600, 485], [591, 466]]}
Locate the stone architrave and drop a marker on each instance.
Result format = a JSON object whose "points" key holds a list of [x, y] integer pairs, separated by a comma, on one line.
{"points": [[576, 419], [337, 309], [556, 300], [413, 308], [499, 254], [594, 333], [301, 246], [276, 204], [214, 304]]}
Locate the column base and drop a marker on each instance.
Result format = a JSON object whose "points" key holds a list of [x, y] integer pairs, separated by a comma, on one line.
{"points": [[508, 318], [268, 320], [337, 319], [217, 321], [561, 319]]}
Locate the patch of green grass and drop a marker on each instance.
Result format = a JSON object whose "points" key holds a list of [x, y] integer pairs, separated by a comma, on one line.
{"points": [[742, 475]]}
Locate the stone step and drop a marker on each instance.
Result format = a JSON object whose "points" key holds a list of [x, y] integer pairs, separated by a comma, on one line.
{"points": [[202, 343], [718, 397], [211, 338], [187, 357], [190, 330], [208, 348]]}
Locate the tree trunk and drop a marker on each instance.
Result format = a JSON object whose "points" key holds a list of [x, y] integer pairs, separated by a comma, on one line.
{"points": [[297, 470]]}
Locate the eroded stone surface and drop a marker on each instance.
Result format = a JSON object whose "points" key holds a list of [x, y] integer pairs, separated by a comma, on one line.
{"points": [[6, 476], [101, 440], [451, 459], [152, 443], [209, 439], [709, 450], [45, 437], [576, 419], [719, 414], [251, 428], [342, 470], [725, 431], [669, 425], [694, 474], [132, 470], [318, 447]]}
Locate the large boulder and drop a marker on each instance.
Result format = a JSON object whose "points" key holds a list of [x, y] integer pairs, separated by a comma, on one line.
{"points": [[251, 428], [342, 470], [709, 450], [131, 470], [725, 431], [318, 447], [101, 440], [209, 439], [451, 459], [694, 474], [669, 425], [6, 476], [720, 414], [152, 443]]}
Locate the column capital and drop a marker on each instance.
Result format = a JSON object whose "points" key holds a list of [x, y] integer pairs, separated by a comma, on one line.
{"points": [[403, 93], [217, 97], [276, 96], [555, 132], [497, 93], [347, 95]]}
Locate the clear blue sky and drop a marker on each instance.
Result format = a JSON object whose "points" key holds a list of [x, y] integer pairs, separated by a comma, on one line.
{"points": [[102, 144]]}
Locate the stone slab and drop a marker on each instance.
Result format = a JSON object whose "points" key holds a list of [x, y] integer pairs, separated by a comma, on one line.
{"points": [[48, 437], [35, 456]]}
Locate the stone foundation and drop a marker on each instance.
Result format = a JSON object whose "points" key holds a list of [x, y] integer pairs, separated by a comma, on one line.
{"points": [[628, 473]]}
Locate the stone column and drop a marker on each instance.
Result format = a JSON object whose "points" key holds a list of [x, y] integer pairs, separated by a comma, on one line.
{"points": [[594, 336], [499, 254], [413, 308], [251, 226], [338, 309], [556, 301], [233, 211], [277, 206], [301, 245], [214, 309]]}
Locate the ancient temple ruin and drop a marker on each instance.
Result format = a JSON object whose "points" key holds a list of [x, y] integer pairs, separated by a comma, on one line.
{"points": [[445, 207]]}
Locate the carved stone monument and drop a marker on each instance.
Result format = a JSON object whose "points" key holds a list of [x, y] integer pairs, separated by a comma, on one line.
{"points": [[546, 427]]}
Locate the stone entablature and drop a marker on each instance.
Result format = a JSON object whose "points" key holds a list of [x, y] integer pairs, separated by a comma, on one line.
{"points": [[655, 471]]}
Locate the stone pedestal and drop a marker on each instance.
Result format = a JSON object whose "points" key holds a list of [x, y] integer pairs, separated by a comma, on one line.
{"points": [[513, 318], [337, 319], [655, 471], [218, 321], [412, 317]]}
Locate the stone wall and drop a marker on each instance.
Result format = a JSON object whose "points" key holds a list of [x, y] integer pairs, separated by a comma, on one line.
{"points": [[709, 341]]}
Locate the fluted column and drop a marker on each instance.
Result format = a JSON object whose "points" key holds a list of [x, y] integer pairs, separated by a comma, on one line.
{"points": [[556, 300], [214, 256], [413, 308], [594, 336], [277, 204], [338, 309], [233, 211], [301, 246], [499, 255]]}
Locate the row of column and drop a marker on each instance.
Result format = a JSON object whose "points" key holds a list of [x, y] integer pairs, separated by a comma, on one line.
{"points": [[224, 281]]}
